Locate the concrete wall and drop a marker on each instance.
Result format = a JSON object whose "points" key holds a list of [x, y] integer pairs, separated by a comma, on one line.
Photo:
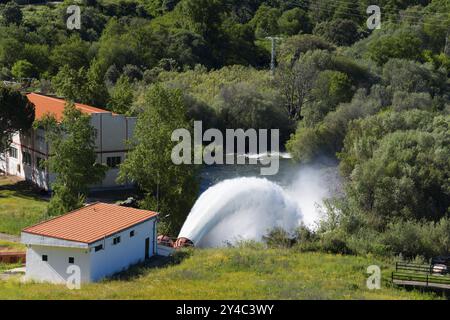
{"points": [[55, 269], [130, 250]]}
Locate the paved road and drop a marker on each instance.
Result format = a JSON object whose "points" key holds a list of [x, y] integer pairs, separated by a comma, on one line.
{"points": [[8, 237]]}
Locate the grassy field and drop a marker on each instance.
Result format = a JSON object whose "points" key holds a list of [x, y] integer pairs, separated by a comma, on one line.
{"points": [[19, 206], [234, 273]]}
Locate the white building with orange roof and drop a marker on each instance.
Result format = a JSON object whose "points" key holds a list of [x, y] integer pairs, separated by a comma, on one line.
{"points": [[90, 243], [28, 150]]}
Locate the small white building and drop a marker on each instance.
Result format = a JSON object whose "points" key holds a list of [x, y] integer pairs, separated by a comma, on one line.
{"points": [[28, 149], [99, 239]]}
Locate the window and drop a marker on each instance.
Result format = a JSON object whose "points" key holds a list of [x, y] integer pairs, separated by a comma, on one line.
{"points": [[116, 240], [113, 162], [71, 260], [27, 158], [131, 233], [98, 248], [44, 257], [13, 153]]}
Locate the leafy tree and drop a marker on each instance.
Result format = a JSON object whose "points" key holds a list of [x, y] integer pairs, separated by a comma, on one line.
{"points": [[403, 44], [16, 114], [70, 83], [292, 47], [407, 176], [294, 21], [72, 52], [10, 49], [341, 32], [23, 69], [95, 90], [122, 96], [244, 106], [265, 21], [330, 89], [72, 158], [168, 188], [12, 14], [38, 56]]}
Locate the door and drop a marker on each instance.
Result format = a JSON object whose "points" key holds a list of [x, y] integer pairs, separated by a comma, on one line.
{"points": [[147, 248]]}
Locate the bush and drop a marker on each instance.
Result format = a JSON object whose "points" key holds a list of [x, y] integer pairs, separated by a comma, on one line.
{"points": [[411, 238], [334, 242], [278, 238]]}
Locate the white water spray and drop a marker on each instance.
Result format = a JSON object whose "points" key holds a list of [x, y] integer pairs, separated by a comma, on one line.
{"points": [[247, 208]]}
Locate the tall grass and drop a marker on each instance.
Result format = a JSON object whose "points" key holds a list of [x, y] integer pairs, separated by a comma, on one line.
{"points": [[234, 273]]}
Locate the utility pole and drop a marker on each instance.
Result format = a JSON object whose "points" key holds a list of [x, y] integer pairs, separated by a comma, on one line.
{"points": [[274, 53], [447, 44]]}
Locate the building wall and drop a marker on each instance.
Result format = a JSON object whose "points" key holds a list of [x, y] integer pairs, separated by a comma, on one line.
{"points": [[94, 266], [130, 250], [55, 270], [112, 132]]}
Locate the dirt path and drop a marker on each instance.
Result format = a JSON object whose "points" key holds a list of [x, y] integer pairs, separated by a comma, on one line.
{"points": [[9, 237]]}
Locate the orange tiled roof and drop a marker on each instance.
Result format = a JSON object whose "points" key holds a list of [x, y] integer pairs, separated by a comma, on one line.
{"points": [[50, 105], [91, 223]]}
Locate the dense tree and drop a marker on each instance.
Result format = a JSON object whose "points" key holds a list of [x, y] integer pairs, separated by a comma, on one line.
{"points": [[341, 32], [72, 158], [168, 188], [12, 14], [122, 96], [16, 114], [293, 22], [23, 69], [72, 53]]}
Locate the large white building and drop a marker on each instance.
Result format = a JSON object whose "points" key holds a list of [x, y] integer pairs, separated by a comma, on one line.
{"points": [[96, 241], [29, 149]]}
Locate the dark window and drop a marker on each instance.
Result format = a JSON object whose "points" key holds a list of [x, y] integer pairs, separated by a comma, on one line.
{"points": [[116, 240], [27, 158], [13, 153], [113, 162], [44, 257], [71, 260], [132, 234], [99, 247]]}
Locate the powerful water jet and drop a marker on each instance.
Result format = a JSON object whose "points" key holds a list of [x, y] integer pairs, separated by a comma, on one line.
{"points": [[247, 208]]}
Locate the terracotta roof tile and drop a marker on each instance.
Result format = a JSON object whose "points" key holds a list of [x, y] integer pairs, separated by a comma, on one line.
{"points": [[50, 105], [91, 223]]}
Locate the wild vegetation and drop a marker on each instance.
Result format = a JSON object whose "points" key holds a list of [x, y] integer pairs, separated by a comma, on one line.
{"points": [[234, 273], [377, 101]]}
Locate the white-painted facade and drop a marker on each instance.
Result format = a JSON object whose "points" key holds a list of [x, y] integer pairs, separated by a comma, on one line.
{"points": [[27, 150], [95, 264]]}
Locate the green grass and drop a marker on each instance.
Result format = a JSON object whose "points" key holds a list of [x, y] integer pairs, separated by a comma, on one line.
{"points": [[19, 206], [11, 246], [234, 273]]}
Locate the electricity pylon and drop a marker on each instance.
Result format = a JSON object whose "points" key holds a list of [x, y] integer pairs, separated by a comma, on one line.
{"points": [[274, 52]]}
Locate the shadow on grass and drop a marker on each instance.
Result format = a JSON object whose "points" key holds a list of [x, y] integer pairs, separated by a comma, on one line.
{"points": [[155, 262], [22, 189]]}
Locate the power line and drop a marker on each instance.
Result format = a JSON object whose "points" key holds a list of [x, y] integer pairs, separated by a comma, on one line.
{"points": [[319, 6]]}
